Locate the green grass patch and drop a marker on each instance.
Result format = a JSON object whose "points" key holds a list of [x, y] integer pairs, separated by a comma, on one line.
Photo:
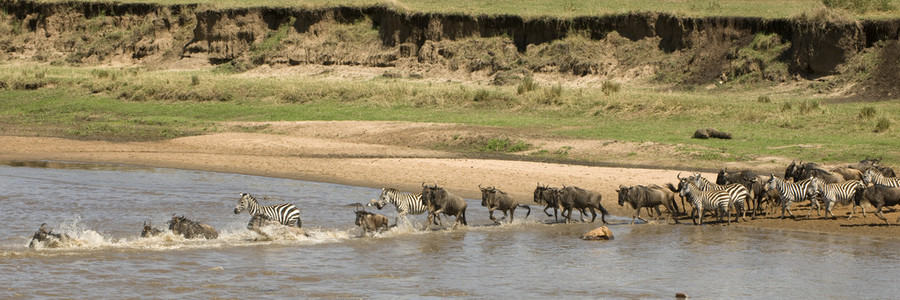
{"points": [[137, 104]]}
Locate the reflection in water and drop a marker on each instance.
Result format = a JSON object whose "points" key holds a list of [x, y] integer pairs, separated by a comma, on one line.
{"points": [[104, 206]]}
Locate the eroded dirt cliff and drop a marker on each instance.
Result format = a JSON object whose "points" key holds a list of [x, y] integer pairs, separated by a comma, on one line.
{"points": [[690, 51]]}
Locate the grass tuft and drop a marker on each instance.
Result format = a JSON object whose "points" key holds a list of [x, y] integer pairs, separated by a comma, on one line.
{"points": [[867, 113], [609, 87], [882, 125]]}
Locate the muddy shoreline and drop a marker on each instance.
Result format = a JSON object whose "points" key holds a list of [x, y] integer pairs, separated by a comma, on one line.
{"points": [[331, 159]]}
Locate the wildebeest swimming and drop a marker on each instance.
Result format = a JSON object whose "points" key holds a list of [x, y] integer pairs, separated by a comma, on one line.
{"points": [[45, 238], [647, 196], [190, 229], [149, 230], [495, 199], [371, 222], [439, 201]]}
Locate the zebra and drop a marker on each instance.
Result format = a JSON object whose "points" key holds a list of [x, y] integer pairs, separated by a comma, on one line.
{"points": [[287, 214], [872, 176], [842, 192], [795, 192], [406, 203], [740, 195], [705, 200]]}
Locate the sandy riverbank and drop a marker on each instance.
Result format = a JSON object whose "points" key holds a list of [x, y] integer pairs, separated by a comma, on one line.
{"points": [[312, 151]]}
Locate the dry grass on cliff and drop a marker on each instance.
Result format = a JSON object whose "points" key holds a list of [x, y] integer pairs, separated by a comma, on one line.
{"points": [[567, 8]]}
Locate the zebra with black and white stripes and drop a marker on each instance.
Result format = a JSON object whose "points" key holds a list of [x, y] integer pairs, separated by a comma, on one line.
{"points": [[406, 203], [740, 195], [873, 176], [287, 214], [795, 192], [705, 201], [841, 192]]}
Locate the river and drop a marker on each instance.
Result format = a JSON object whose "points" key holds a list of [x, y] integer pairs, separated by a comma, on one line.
{"points": [[103, 207]]}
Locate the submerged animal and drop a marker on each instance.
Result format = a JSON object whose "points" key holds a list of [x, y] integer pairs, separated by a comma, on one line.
{"points": [[371, 222], [190, 229], [258, 222], [149, 230], [45, 238]]}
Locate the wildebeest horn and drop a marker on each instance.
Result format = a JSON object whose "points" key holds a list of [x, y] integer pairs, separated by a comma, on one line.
{"points": [[678, 176]]}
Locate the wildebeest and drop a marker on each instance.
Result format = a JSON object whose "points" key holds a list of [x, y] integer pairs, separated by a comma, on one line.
{"points": [[371, 222], [549, 196], [869, 163], [646, 196], [495, 199], [149, 230], [260, 221], [47, 239], [574, 197], [879, 196], [190, 229], [848, 173], [797, 172], [439, 201]]}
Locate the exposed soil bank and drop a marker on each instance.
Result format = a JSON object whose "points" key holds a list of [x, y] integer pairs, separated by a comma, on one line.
{"points": [[502, 45]]}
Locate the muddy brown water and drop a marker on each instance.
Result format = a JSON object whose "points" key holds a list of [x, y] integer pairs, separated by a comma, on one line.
{"points": [[104, 206]]}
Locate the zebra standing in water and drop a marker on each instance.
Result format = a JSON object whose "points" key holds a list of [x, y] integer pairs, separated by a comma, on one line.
{"points": [[795, 192], [873, 176], [406, 203], [705, 200], [287, 214], [740, 195], [842, 192]]}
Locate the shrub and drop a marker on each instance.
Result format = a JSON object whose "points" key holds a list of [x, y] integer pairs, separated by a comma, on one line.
{"points": [[786, 106], [808, 106], [763, 99], [610, 87], [195, 79], [867, 112], [882, 125], [527, 85], [503, 144], [860, 6]]}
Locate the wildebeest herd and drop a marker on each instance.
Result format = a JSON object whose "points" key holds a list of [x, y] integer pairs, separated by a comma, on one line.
{"points": [[732, 192]]}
